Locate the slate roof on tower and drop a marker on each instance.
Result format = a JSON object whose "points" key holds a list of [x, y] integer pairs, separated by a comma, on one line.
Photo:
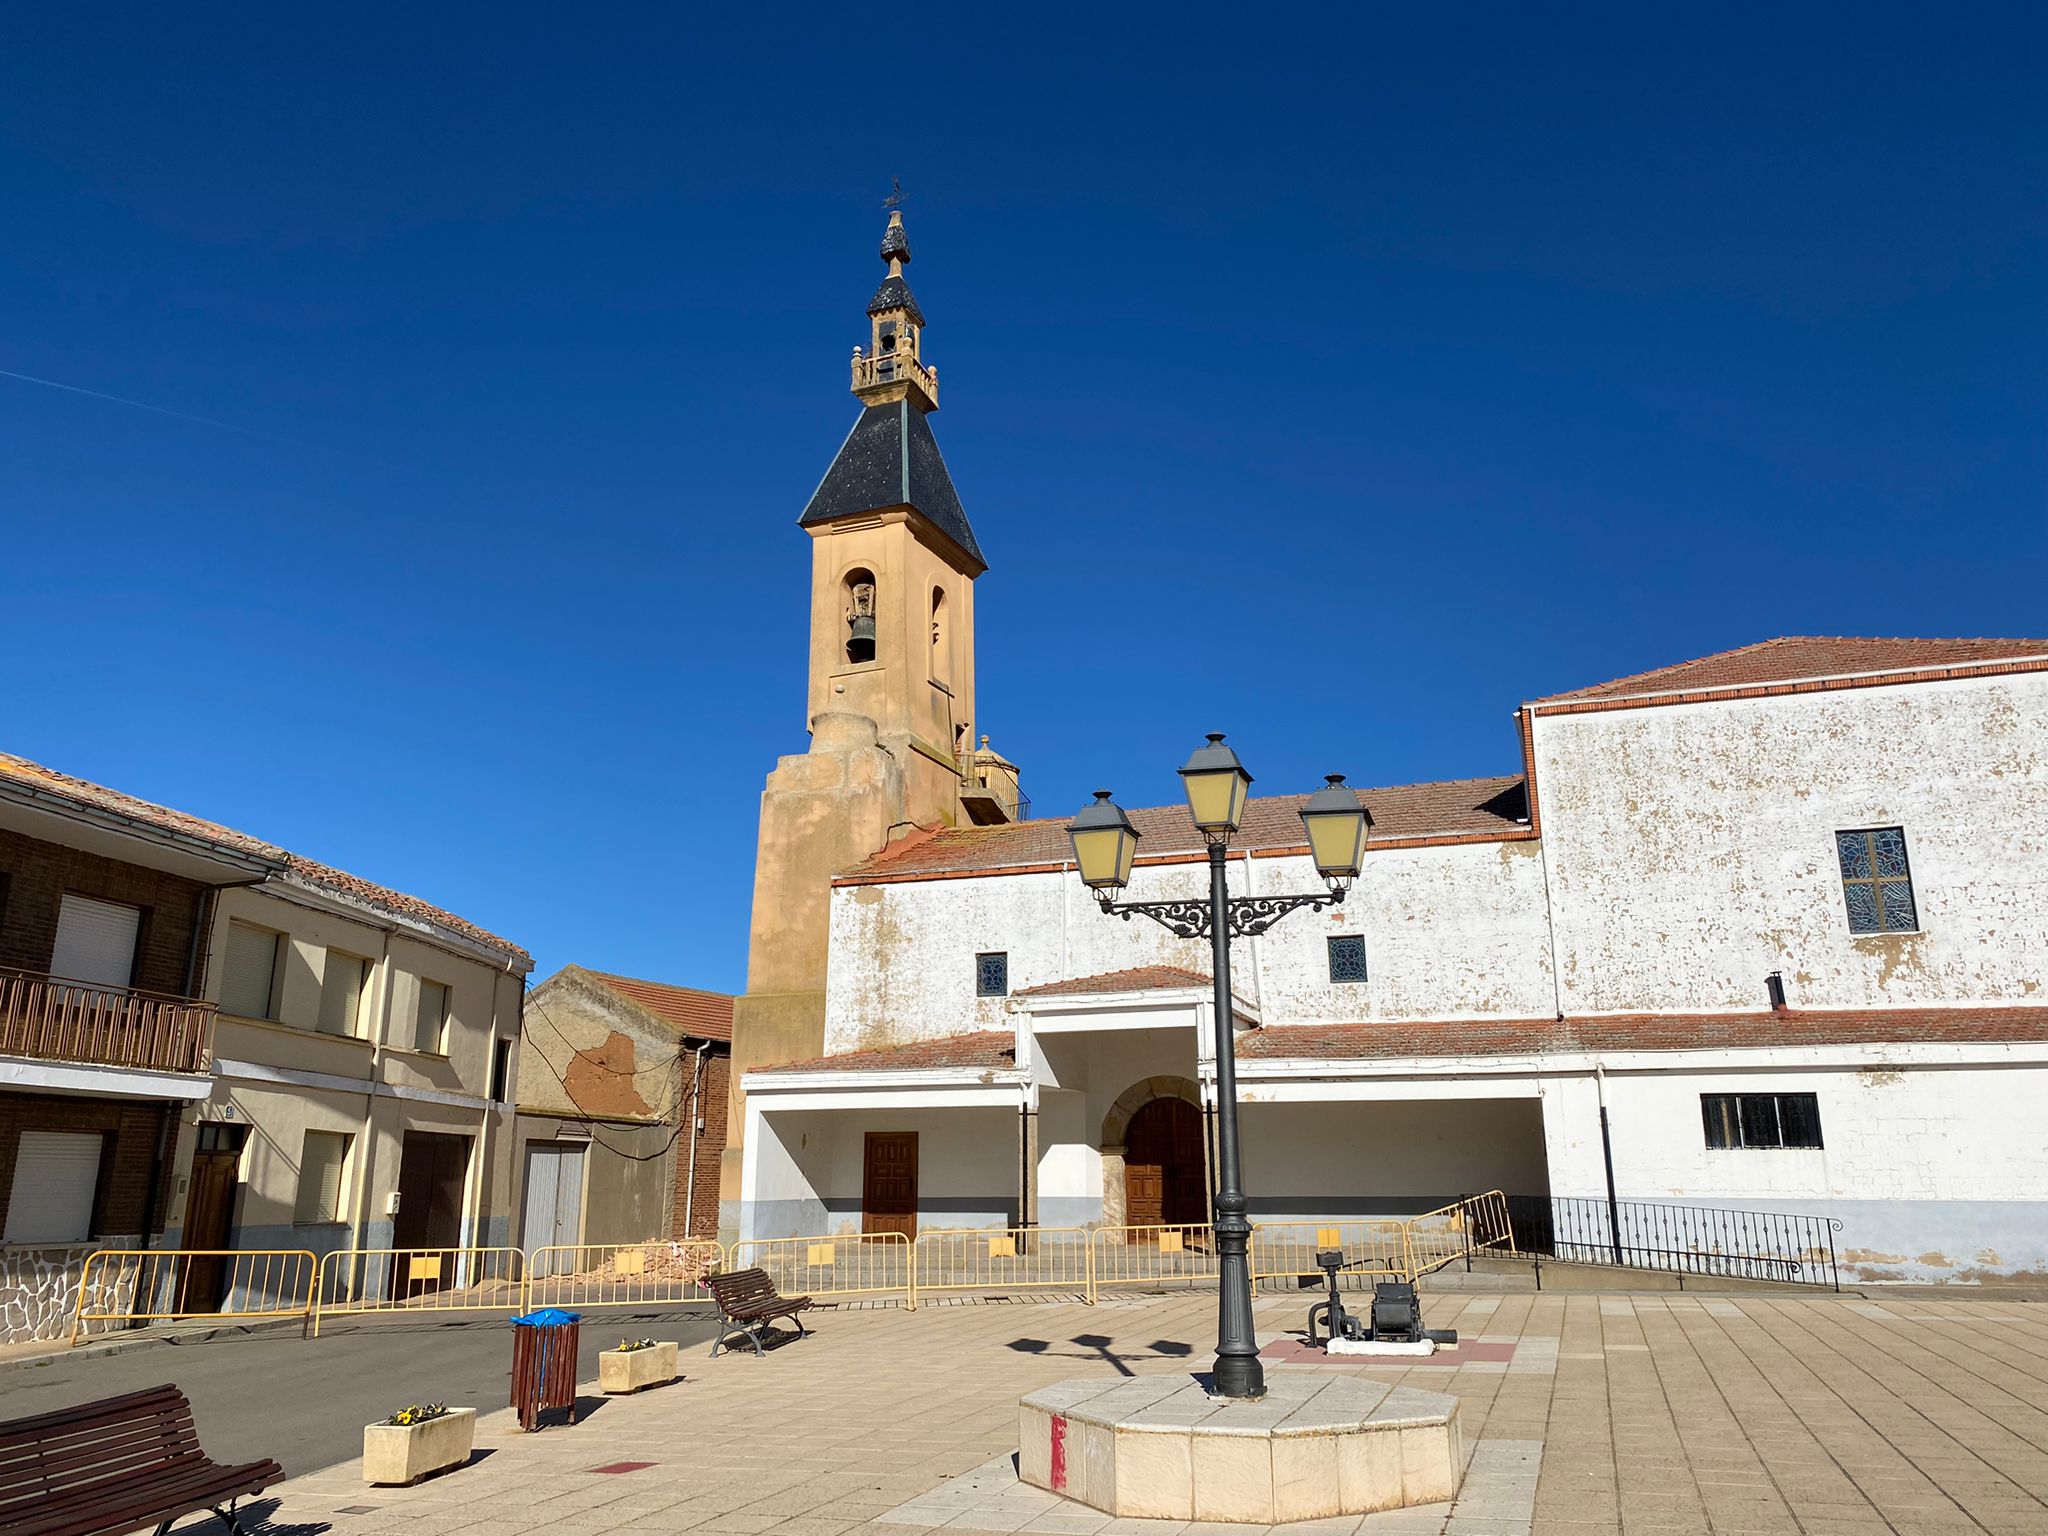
{"points": [[891, 459]]}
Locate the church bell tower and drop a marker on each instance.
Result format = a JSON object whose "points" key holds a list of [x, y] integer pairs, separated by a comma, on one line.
{"points": [[891, 709]]}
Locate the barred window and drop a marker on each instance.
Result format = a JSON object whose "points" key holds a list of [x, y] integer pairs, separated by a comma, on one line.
{"points": [[992, 975], [1761, 1119], [1876, 884], [1347, 957]]}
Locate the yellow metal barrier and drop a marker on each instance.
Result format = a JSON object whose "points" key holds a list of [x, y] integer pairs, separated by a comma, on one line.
{"points": [[1153, 1255], [1006, 1259], [846, 1264], [621, 1274], [1284, 1250], [358, 1280], [1442, 1237], [149, 1285]]}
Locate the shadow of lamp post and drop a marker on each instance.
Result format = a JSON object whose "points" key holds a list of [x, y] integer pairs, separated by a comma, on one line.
{"points": [[1105, 845]]}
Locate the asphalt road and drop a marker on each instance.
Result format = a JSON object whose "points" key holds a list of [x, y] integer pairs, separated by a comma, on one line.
{"points": [[305, 1401]]}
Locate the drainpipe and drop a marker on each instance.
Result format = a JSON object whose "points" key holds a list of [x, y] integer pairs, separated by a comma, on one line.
{"points": [[696, 1109], [1607, 1156], [166, 1140]]}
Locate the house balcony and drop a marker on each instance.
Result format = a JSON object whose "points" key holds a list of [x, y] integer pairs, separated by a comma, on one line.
{"points": [[50, 1019]]}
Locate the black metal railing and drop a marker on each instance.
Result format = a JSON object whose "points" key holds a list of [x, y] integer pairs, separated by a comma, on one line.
{"points": [[1681, 1239]]}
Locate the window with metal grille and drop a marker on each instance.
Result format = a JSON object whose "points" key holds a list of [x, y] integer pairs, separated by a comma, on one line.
{"points": [[1761, 1119], [1876, 883], [992, 975], [219, 1136], [1347, 957]]}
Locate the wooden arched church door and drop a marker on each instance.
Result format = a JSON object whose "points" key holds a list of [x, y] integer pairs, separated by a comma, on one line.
{"points": [[1163, 1171]]}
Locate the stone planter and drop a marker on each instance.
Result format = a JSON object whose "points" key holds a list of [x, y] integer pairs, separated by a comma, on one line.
{"points": [[405, 1453], [629, 1370]]}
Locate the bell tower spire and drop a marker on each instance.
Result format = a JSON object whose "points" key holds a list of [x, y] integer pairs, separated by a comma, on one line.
{"points": [[893, 366]]}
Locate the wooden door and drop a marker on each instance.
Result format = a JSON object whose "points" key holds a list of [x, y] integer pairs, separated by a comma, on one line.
{"points": [[888, 1200], [431, 1169], [209, 1216], [1163, 1174]]}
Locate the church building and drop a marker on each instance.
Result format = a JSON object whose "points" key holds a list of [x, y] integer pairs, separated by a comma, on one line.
{"points": [[1764, 931]]}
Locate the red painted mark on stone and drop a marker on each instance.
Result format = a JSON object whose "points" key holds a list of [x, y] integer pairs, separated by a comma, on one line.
{"points": [[1059, 1453], [624, 1466]]}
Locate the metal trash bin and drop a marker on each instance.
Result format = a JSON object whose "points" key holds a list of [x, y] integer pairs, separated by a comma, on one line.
{"points": [[544, 1363]]}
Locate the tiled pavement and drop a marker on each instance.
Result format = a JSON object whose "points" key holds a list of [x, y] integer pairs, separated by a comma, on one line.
{"points": [[1671, 1414]]}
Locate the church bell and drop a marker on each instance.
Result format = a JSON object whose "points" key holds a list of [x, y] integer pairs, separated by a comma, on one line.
{"points": [[860, 645]]}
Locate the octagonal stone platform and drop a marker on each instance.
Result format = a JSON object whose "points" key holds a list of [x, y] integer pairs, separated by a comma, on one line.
{"points": [[1159, 1447]]}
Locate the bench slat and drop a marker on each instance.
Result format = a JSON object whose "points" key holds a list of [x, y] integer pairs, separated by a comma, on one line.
{"points": [[114, 1466]]}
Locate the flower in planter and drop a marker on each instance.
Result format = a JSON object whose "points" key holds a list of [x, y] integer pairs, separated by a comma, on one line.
{"points": [[418, 1413], [627, 1346]]}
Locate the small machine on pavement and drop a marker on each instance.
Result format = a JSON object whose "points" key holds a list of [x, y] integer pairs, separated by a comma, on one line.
{"points": [[1395, 1316]]}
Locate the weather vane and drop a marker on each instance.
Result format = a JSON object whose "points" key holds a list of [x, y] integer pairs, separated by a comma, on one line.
{"points": [[895, 198]]}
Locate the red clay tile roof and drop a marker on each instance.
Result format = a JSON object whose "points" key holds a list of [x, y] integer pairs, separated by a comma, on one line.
{"points": [[1487, 807], [99, 797], [1143, 978], [1798, 658], [311, 871], [993, 1049], [1648, 1032], [382, 897], [703, 1015]]}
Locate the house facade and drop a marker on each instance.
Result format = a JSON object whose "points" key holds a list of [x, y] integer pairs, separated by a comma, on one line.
{"points": [[622, 1095], [1763, 931], [106, 1038], [210, 1043]]}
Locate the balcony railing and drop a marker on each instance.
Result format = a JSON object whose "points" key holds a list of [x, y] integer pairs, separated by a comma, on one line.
{"points": [[52, 1019], [888, 367]]}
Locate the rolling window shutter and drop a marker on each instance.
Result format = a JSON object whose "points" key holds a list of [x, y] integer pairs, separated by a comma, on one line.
{"points": [[251, 970], [341, 992], [320, 1167], [96, 941], [55, 1174]]}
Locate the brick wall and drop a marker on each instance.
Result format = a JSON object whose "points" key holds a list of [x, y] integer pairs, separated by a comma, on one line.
{"points": [[131, 1128], [709, 1147], [34, 876]]}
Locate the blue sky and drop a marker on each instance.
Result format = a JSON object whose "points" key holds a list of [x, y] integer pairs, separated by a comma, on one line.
{"points": [[1331, 377]]}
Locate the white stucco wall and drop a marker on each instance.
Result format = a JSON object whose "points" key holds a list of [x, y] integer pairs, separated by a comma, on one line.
{"points": [[1450, 933], [1936, 1165], [807, 1165], [1691, 847]]}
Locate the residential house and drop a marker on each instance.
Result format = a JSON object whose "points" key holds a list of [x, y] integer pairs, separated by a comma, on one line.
{"points": [[623, 1087]]}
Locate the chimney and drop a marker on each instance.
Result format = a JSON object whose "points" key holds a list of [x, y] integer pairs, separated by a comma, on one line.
{"points": [[1774, 984]]}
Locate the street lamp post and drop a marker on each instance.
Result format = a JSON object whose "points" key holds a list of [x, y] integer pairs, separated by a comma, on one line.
{"points": [[1105, 847]]}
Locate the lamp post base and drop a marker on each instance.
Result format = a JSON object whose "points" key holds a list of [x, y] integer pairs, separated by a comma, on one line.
{"points": [[1239, 1376]]}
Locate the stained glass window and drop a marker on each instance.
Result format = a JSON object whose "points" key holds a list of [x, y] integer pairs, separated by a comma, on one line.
{"points": [[1761, 1119], [1347, 957], [1876, 884], [992, 975]]}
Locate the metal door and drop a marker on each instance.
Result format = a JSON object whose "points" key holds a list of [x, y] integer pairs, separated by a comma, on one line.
{"points": [[554, 1197]]}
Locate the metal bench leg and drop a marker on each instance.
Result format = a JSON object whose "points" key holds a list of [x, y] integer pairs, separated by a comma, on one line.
{"points": [[754, 1333]]}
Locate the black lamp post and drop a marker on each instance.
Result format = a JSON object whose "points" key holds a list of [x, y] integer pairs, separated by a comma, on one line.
{"points": [[1105, 845]]}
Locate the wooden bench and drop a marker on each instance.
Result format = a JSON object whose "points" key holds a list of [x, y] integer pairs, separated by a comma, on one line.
{"points": [[114, 1466], [746, 1299]]}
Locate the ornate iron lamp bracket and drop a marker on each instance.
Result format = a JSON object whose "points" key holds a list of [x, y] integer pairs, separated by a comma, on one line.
{"points": [[1248, 915]]}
